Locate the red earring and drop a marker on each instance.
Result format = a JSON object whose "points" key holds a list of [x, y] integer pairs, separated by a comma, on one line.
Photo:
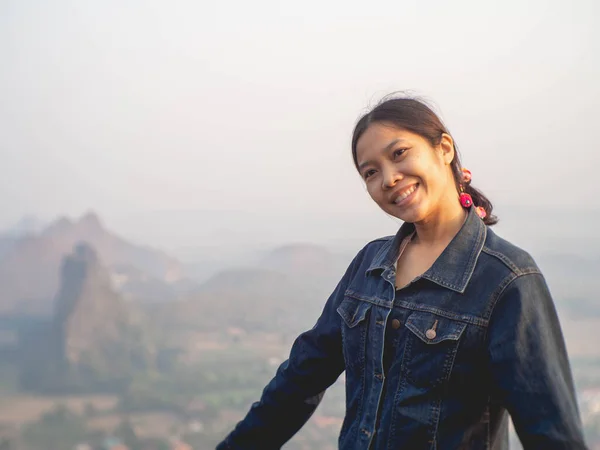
{"points": [[466, 175], [465, 199]]}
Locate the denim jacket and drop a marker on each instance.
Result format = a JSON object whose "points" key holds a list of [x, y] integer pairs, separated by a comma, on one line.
{"points": [[473, 339]]}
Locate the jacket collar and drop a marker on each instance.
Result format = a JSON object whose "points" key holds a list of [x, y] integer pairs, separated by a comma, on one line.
{"points": [[454, 267]]}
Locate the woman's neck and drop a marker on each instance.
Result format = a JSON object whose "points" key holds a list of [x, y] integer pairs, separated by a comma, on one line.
{"points": [[440, 228]]}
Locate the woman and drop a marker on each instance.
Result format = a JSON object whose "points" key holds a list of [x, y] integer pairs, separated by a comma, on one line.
{"points": [[443, 330]]}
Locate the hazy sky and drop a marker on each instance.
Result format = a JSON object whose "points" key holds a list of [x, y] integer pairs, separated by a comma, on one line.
{"points": [[128, 107]]}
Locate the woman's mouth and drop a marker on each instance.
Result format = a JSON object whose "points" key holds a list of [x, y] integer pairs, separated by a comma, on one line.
{"points": [[406, 195]]}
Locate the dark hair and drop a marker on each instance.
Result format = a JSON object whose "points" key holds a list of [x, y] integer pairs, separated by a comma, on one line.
{"points": [[417, 117]]}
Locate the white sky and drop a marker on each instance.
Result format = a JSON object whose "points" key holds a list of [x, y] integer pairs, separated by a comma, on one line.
{"points": [[128, 107]]}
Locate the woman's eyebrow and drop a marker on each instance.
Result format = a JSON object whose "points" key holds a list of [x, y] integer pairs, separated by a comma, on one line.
{"points": [[385, 149]]}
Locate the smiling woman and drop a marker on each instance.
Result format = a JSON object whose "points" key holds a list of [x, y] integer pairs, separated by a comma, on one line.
{"points": [[409, 131], [443, 330]]}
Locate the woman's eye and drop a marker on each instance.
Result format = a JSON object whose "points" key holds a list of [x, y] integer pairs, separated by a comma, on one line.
{"points": [[369, 173], [399, 152]]}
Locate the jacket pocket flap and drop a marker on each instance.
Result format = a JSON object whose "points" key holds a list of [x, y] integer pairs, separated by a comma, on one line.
{"points": [[353, 311], [432, 329]]}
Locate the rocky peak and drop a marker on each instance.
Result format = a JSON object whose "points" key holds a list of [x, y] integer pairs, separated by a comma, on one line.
{"points": [[91, 221], [96, 341], [59, 226], [90, 316]]}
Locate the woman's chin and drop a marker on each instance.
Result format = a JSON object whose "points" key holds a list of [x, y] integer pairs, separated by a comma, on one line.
{"points": [[412, 214]]}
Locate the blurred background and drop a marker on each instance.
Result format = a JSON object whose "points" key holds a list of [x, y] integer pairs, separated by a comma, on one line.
{"points": [[178, 199]]}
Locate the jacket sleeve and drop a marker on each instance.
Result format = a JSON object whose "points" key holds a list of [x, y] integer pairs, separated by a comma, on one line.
{"points": [[530, 371], [291, 397]]}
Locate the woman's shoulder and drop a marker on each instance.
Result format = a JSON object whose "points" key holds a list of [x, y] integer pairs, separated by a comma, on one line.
{"points": [[376, 247], [517, 259], [373, 251]]}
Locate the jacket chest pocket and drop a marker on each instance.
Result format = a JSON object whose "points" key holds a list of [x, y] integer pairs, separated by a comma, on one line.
{"points": [[431, 347], [355, 324]]}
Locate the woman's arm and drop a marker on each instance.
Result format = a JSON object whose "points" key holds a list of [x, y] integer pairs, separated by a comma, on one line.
{"points": [[316, 361], [530, 371]]}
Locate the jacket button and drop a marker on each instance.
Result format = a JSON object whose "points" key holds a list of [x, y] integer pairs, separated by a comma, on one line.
{"points": [[395, 324], [431, 334]]}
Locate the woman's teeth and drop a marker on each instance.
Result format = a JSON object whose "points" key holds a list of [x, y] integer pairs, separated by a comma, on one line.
{"points": [[405, 194]]}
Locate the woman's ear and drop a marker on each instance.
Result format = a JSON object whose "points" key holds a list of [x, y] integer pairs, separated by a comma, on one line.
{"points": [[447, 147]]}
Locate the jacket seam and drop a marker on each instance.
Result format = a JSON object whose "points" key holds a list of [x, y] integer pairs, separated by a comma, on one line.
{"points": [[383, 238], [386, 240], [509, 263], [474, 258], [472, 320], [401, 387], [497, 295]]}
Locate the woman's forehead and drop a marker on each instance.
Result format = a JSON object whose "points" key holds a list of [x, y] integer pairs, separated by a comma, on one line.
{"points": [[379, 137]]}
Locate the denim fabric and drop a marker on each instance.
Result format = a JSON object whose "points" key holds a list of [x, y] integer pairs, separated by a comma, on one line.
{"points": [[479, 339]]}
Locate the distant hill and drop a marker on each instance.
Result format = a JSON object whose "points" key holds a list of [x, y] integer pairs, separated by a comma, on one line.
{"points": [[94, 340], [313, 264], [254, 300], [27, 225], [139, 286], [29, 265], [284, 293]]}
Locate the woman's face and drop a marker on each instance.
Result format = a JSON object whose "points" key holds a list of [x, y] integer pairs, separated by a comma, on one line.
{"points": [[405, 175]]}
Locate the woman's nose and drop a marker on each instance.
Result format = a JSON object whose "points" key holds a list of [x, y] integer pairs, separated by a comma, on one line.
{"points": [[390, 178]]}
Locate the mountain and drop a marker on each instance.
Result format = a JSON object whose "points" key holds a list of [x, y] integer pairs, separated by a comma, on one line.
{"points": [[95, 340], [284, 292], [29, 268], [247, 299], [310, 263], [139, 286], [113, 249], [27, 225]]}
